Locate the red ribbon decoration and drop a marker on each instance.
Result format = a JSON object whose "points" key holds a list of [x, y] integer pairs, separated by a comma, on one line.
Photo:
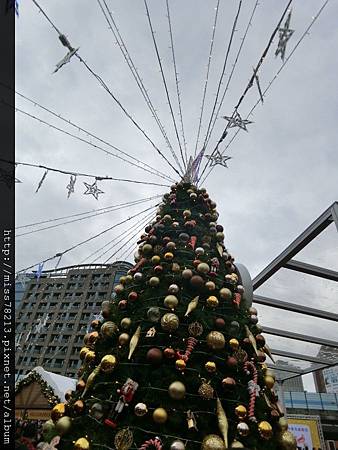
{"points": [[249, 367], [191, 343]]}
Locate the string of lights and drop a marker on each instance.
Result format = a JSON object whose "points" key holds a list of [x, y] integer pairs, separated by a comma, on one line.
{"points": [[248, 86], [80, 174], [177, 82], [107, 152], [164, 84], [119, 40], [232, 71], [305, 33], [133, 202], [116, 100], [224, 67], [207, 75], [76, 220], [79, 128], [73, 247]]}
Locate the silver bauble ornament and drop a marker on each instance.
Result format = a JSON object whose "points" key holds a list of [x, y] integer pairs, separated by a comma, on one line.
{"points": [[177, 445], [138, 276], [154, 314], [173, 289], [140, 409]]}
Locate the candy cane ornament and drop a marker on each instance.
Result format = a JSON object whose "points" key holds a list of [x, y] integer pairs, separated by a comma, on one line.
{"points": [[253, 388], [156, 443]]}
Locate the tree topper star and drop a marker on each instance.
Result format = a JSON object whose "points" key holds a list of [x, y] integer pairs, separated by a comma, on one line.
{"points": [[93, 189], [218, 158], [237, 121]]}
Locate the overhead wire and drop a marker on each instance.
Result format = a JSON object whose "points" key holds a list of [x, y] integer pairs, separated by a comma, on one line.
{"points": [[116, 100], [232, 70], [250, 83], [73, 247], [165, 84], [207, 76], [305, 33], [86, 142], [80, 174], [130, 238], [124, 50], [133, 202], [124, 233], [79, 128], [49, 227], [233, 29], [177, 83]]}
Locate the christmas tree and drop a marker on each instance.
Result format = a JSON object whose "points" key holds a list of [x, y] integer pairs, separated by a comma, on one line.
{"points": [[178, 360]]}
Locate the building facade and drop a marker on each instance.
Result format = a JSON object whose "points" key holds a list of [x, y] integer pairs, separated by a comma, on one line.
{"points": [[326, 380], [55, 313], [20, 288]]}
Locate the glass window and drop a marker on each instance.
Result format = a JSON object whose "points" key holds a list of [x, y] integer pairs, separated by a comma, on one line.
{"points": [[314, 401], [298, 400], [287, 400], [330, 402]]}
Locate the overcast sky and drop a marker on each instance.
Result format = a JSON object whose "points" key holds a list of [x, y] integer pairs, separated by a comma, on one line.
{"points": [[284, 170]]}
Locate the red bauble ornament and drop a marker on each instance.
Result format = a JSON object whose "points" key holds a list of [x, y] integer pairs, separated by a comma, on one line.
{"points": [[228, 382], [123, 304], [197, 282], [133, 296], [169, 353], [158, 269], [220, 323], [154, 355], [196, 262], [232, 362], [260, 340]]}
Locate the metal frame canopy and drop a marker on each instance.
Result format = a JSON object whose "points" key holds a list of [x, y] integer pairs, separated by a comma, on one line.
{"points": [[286, 261]]}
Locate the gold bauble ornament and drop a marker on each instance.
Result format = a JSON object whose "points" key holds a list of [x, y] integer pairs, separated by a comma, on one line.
{"points": [[225, 294], [160, 415], [108, 329], [129, 279], [58, 411], [156, 259], [203, 268], [234, 344], [168, 256], [108, 363], [125, 323], [90, 356], [243, 429], [124, 338], [122, 280], [119, 288], [210, 285], [282, 424], [236, 444], [269, 381], [269, 373], [212, 301], [81, 444], [180, 364], [175, 268], [210, 367], [83, 352], [170, 322], [206, 391], [265, 429], [213, 442], [215, 340], [287, 441], [123, 439], [241, 411], [177, 390], [171, 301]]}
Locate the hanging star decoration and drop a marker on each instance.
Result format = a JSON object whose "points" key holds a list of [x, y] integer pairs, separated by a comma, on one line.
{"points": [[284, 35], [70, 185], [258, 86], [93, 189], [237, 121], [218, 158]]}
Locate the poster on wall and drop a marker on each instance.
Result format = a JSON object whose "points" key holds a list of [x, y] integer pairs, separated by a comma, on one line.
{"points": [[307, 431], [331, 379]]}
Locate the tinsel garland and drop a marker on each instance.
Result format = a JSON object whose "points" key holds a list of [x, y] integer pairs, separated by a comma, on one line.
{"points": [[45, 388]]}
